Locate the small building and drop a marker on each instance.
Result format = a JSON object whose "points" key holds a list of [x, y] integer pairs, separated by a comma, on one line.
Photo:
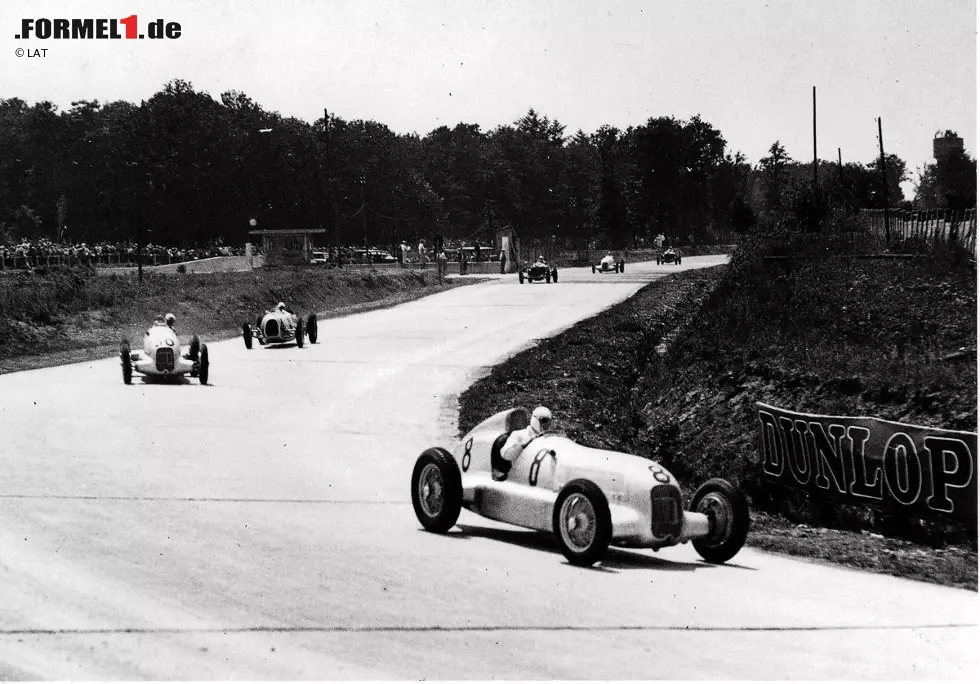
{"points": [[289, 247]]}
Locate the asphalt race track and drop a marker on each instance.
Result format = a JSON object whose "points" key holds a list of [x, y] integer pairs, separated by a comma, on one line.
{"points": [[261, 528]]}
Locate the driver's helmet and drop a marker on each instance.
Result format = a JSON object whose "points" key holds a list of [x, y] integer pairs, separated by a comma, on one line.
{"points": [[541, 419], [280, 306], [170, 319]]}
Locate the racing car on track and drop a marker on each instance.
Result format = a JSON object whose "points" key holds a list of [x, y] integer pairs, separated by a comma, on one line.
{"points": [[539, 270], [163, 357], [608, 264], [589, 498], [669, 256], [280, 326]]}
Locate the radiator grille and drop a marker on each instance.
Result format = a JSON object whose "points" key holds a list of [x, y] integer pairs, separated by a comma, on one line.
{"points": [[666, 511], [272, 328], [165, 359]]}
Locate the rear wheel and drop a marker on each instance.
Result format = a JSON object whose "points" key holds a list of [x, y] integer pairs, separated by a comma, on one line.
{"points": [[520, 277], [678, 260], [582, 523], [547, 277], [311, 328], [204, 365], [437, 490], [247, 335], [299, 334], [728, 515], [127, 362]]}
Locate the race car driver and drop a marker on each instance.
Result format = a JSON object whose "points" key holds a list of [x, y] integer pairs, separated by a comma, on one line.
{"points": [[608, 260], [540, 423]]}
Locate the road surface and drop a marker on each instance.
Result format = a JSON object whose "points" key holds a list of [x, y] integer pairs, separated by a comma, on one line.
{"points": [[261, 528]]}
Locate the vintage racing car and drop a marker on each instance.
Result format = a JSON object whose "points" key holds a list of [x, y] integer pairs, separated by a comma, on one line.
{"points": [[590, 498], [280, 326], [609, 265], [669, 256], [539, 270], [163, 357]]}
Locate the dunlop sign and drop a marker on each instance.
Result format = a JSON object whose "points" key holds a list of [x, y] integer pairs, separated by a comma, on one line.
{"points": [[871, 461]]}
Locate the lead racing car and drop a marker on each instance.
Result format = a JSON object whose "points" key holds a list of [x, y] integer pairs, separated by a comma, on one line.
{"points": [[669, 256], [163, 357], [589, 498], [539, 270], [608, 264], [280, 326]]}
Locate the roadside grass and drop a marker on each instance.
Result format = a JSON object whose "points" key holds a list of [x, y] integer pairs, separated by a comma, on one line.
{"points": [[65, 315], [674, 374]]}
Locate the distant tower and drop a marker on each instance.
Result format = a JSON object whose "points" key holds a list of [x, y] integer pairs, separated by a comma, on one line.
{"points": [[944, 145]]}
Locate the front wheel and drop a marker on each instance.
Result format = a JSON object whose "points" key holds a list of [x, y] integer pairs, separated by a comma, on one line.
{"points": [[678, 261], [547, 277], [195, 348], [582, 522], [728, 517], [311, 328], [127, 362], [622, 266], [520, 277], [593, 268], [204, 365], [299, 334], [247, 335], [437, 490], [658, 261], [554, 275]]}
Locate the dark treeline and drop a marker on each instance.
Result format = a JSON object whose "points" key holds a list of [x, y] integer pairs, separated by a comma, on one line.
{"points": [[184, 169]]}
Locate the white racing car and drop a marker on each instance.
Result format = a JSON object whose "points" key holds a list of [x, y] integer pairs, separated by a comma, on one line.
{"points": [[280, 326], [608, 264], [163, 357], [590, 498]]}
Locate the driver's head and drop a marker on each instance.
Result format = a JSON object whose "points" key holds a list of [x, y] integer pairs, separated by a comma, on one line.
{"points": [[540, 258], [170, 319], [281, 306], [541, 419]]}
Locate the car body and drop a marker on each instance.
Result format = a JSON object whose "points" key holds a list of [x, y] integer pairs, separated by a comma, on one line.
{"points": [[608, 264], [163, 357], [537, 271], [589, 498], [669, 256], [280, 327]]}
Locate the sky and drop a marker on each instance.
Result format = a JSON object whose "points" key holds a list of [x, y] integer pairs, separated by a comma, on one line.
{"points": [[747, 67]]}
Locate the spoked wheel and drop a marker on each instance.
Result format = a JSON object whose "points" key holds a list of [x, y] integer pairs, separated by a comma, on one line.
{"points": [[127, 362], [728, 515], [204, 365], [247, 335], [582, 522], [311, 328], [437, 490], [300, 333]]}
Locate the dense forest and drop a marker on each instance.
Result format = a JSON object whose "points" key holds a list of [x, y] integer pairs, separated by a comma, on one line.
{"points": [[185, 169]]}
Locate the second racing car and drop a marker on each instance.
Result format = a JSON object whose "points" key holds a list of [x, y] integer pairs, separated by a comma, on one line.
{"points": [[280, 326]]}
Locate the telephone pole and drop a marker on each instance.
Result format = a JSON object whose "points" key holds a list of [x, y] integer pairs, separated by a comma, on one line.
{"points": [[884, 182]]}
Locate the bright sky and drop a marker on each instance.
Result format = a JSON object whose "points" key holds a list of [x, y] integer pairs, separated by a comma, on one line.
{"points": [[746, 66]]}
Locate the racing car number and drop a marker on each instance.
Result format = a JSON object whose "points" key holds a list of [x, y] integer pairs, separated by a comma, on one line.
{"points": [[532, 477], [467, 454], [659, 474]]}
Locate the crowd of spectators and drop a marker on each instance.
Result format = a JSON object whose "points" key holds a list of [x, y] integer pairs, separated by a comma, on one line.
{"points": [[28, 253]]}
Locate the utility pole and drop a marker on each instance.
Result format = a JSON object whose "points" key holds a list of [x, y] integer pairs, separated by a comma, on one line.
{"points": [[815, 187], [840, 167], [884, 182], [367, 259]]}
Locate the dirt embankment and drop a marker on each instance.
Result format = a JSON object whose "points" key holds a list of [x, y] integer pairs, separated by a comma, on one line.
{"points": [[62, 315], [673, 374]]}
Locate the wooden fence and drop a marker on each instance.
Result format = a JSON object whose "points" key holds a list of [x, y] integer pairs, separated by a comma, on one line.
{"points": [[936, 226]]}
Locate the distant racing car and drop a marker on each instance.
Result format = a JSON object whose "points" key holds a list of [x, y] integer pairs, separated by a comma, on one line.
{"points": [[539, 270], [280, 326], [608, 264], [163, 357], [589, 498], [669, 256]]}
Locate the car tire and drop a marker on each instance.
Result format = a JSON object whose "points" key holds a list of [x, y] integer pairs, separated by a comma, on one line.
{"points": [[593, 269], [658, 261], [622, 266], [520, 277], [585, 499], [678, 261], [437, 490], [300, 334], [127, 362], [311, 328], [547, 277], [203, 365], [247, 335], [195, 348], [554, 275], [728, 512]]}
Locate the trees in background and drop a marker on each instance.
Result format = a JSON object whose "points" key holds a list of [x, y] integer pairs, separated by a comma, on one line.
{"points": [[184, 169]]}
